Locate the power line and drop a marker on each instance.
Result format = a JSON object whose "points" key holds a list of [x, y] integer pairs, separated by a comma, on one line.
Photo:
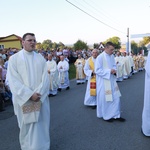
{"points": [[103, 14], [95, 17], [89, 9]]}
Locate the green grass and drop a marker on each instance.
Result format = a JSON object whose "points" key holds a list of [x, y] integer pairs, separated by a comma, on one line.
{"points": [[72, 71]]}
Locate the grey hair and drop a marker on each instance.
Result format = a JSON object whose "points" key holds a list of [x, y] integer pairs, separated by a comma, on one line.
{"points": [[95, 50]]}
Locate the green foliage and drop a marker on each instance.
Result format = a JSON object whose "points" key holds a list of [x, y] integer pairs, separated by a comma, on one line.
{"points": [[38, 45], [61, 45], [80, 45], [49, 45], [72, 71], [134, 47], [143, 48], [115, 40], [146, 40], [95, 45], [54, 45]]}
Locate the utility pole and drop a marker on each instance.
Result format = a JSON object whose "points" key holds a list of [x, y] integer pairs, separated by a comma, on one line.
{"points": [[127, 46]]}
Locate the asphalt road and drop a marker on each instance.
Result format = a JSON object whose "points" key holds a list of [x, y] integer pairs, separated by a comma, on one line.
{"points": [[76, 127]]}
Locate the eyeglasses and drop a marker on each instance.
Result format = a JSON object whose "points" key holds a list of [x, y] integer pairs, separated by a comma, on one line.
{"points": [[30, 40]]}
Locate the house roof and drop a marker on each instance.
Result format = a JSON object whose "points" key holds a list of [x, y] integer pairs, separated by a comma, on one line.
{"points": [[11, 35], [101, 46]]}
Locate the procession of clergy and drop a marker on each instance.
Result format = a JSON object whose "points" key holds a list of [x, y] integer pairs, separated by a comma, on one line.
{"points": [[127, 65], [101, 70]]}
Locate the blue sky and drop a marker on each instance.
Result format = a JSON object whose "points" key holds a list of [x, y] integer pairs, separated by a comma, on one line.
{"points": [[59, 21]]}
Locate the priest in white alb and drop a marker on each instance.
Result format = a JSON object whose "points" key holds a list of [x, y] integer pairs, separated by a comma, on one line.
{"points": [[141, 62], [119, 66], [127, 66], [108, 94], [63, 68], [146, 107], [89, 70], [53, 75], [79, 64], [29, 83]]}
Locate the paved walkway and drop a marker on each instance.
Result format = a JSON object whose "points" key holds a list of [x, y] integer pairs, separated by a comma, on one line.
{"points": [[76, 127]]}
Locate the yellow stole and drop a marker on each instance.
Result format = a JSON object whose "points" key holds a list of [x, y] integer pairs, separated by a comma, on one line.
{"points": [[93, 79]]}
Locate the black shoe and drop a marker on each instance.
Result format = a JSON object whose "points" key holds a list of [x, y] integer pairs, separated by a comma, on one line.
{"points": [[93, 107], [120, 119], [82, 82], [68, 88], [59, 89], [109, 120], [78, 83], [51, 95]]}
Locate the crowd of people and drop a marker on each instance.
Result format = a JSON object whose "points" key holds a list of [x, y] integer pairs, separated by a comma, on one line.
{"points": [[55, 61], [31, 76]]}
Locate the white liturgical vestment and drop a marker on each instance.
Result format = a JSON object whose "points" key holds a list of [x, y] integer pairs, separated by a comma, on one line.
{"points": [[27, 74], [53, 76], [63, 74], [146, 108], [88, 99], [106, 109]]}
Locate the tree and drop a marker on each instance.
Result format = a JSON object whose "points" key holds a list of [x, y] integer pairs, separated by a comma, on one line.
{"points": [[47, 44], [142, 44], [96, 45], [61, 45], [54, 45], [146, 40], [115, 40], [38, 46], [80, 45], [134, 47]]}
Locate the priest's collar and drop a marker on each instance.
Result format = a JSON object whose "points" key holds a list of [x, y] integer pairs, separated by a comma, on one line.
{"points": [[28, 52], [107, 54], [93, 58]]}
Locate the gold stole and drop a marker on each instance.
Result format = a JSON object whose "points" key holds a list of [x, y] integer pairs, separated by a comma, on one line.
{"points": [[107, 83], [31, 111], [93, 79]]}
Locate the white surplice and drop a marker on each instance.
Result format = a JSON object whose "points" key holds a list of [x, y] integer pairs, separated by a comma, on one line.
{"points": [[63, 74], [127, 67], [53, 76], [119, 66], [80, 76], [106, 109], [27, 74], [89, 100], [146, 108]]}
